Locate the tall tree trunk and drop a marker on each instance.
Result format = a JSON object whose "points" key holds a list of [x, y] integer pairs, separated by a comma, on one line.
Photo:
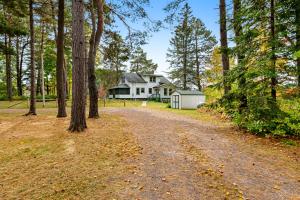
{"points": [[19, 77], [32, 109], [94, 43], [19, 84], [8, 67], [224, 46], [297, 21], [53, 17], [39, 77], [42, 86], [240, 57], [60, 70], [197, 65], [78, 120], [273, 48]]}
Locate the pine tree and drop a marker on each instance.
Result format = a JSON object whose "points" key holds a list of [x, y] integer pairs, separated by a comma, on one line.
{"points": [[116, 53], [224, 46], [238, 31], [203, 45], [78, 119], [180, 52], [32, 108], [140, 64], [60, 82]]}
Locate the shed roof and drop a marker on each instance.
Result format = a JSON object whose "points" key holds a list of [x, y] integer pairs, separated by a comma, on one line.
{"points": [[134, 78], [189, 92]]}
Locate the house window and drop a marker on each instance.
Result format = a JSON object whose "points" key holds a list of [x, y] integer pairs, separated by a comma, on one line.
{"points": [[170, 91], [142, 90], [150, 90], [123, 79], [152, 79], [137, 91], [165, 91]]}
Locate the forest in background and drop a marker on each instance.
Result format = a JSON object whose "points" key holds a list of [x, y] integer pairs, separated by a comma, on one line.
{"points": [[253, 75]]}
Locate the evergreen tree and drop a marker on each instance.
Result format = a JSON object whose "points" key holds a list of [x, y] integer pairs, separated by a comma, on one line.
{"points": [[140, 63], [203, 45], [116, 53], [180, 54], [78, 119]]}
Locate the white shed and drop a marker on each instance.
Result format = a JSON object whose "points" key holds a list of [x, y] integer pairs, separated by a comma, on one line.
{"points": [[187, 99]]}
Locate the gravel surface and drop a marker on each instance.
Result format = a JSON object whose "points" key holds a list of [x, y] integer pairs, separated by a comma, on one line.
{"points": [[183, 158]]}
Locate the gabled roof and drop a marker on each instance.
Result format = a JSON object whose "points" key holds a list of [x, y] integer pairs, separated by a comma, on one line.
{"points": [[189, 92], [134, 78], [163, 80]]}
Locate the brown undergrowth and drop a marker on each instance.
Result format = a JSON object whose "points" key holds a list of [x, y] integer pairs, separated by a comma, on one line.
{"points": [[39, 159]]}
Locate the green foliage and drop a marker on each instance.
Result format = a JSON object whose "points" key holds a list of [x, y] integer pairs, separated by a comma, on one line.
{"points": [[140, 63], [190, 50]]}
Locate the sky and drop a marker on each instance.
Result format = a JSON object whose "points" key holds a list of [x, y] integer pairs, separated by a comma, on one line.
{"points": [[158, 44]]}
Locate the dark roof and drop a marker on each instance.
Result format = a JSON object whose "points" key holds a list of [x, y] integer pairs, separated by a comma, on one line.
{"points": [[189, 92], [163, 80], [134, 78], [120, 86]]}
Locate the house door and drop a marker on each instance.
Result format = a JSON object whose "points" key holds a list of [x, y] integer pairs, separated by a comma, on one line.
{"points": [[176, 101]]}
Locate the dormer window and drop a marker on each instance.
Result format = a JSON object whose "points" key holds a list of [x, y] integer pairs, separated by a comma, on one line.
{"points": [[123, 79], [152, 79]]}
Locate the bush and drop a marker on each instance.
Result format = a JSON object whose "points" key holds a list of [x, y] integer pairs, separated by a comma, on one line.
{"points": [[201, 105], [168, 105]]}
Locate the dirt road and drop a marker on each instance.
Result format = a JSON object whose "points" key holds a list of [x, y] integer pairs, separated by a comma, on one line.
{"points": [[184, 158]]}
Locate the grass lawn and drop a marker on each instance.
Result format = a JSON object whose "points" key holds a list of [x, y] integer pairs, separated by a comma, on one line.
{"points": [[199, 114], [21, 104], [39, 159]]}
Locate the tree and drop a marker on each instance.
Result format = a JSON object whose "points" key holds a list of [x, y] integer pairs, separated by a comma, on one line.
{"points": [[8, 67], [273, 49], [180, 54], [297, 22], [224, 46], [78, 119], [94, 44], [32, 108], [116, 53], [237, 24], [140, 64], [204, 43], [60, 72]]}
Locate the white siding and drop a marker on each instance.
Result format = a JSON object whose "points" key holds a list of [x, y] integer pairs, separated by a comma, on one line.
{"points": [[187, 101], [191, 101], [146, 86]]}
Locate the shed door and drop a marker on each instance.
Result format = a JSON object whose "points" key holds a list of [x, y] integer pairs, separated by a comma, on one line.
{"points": [[176, 101]]}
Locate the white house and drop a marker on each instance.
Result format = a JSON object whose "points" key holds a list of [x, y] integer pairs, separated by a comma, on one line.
{"points": [[186, 99], [141, 86]]}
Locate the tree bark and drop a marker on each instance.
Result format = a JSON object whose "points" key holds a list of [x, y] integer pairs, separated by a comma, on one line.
{"points": [[60, 70], [32, 109], [94, 43], [8, 67], [78, 119], [19, 77], [197, 65], [39, 78], [297, 21], [224, 46], [240, 57], [19, 84], [273, 48]]}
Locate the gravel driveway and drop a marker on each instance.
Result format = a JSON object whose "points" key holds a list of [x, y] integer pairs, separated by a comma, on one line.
{"points": [[183, 158]]}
